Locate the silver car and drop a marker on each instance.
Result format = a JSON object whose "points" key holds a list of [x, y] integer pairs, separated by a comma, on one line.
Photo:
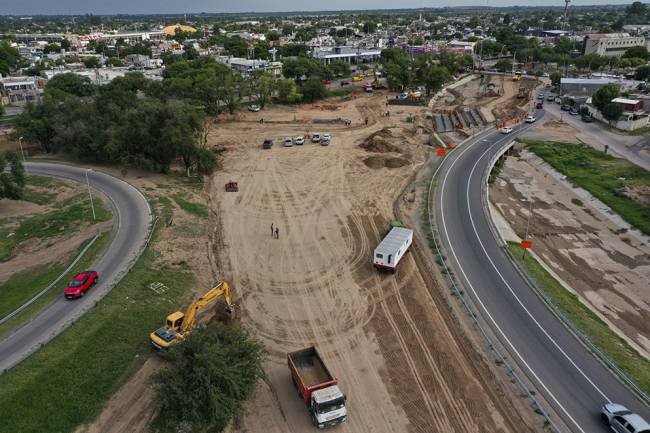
{"points": [[622, 420]]}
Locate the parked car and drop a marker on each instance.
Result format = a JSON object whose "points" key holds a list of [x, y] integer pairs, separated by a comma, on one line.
{"points": [[325, 140], [574, 111], [267, 144], [565, 107], [540, 96], [506, 130], [539, 105], [550, 98], [357, 78], [288, 141], [299, 140], [622, 420], [344, 83], [79, 285], [586, 118], [530, 119], [254, 108], [558, 100], [315, 138]]}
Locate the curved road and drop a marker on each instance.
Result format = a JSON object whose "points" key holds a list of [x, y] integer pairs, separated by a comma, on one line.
{"points": [[569, 376], [133, 218]]}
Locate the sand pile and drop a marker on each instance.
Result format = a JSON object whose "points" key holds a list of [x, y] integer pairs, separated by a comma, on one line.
{"points": [[380, 142]]}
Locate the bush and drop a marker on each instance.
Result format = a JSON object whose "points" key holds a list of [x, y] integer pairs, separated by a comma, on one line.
{"points": [[208, 378]]}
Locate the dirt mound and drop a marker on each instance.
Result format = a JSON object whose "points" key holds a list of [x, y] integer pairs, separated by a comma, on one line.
{"points": [[379, 142], [639, 193], [381, 162]]}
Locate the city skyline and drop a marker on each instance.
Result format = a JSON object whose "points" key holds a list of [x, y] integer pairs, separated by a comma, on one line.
{"points": [[77, 7]]}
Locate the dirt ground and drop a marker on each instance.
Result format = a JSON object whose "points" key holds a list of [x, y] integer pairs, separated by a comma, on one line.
{"points": [[397, 354], [607, 267], [501, 105], [398, 351]]}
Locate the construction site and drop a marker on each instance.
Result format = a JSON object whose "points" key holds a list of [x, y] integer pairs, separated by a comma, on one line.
{"points": [[404, 355]]}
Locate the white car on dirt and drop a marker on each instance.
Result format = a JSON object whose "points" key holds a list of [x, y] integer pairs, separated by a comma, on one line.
{"points": [[315, 138], [299, 140], [325, 140], [288, 142]]}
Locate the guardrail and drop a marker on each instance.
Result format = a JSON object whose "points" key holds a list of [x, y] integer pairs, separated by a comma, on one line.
{"points": [[52, 284], [472, 315], [568, 323]]}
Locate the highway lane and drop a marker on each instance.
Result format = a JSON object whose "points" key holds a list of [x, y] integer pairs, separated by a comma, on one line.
{"points": [[569, 376], [133, 221]]}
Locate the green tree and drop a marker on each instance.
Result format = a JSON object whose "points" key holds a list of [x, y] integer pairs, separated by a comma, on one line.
{"points": [[12, 175], [52, 48], [642, 73], [434, 78], [638, 52], [91, 62], [36, 123], [70, 83], [288, 92], [9, 57], [262, 87], [604, 96], [369, 27], [612, 112], [340, 68], [207, 379], [236, 46], [313, 89], [556, 78], [503, 65]]}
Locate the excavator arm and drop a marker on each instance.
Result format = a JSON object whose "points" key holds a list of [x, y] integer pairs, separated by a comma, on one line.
{"points": [[222, 289]]}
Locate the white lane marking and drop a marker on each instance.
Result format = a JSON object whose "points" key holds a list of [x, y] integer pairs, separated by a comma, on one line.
{"points": [[496, 326], [512, 291]]}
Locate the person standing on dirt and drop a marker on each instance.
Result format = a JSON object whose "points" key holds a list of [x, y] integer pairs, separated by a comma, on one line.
{"points": [[271, 229], [366, 120], [277, 233]]}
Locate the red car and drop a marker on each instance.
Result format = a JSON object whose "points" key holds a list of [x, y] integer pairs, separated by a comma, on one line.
{"points": [[79, 285], [539, 105]]}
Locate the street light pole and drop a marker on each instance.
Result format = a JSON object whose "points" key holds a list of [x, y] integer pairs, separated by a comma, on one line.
{"points": [[20, 142], [92, 206]]}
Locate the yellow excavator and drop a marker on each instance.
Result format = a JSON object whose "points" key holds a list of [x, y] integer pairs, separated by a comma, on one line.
{"points": [[179, 325]]}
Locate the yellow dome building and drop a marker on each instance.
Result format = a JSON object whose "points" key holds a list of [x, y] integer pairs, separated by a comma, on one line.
{"points": [[171, 30]]}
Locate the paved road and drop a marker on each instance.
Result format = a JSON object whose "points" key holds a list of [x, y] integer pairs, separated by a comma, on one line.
{"points": [[570, 378], [635, 149], [133, 222]]}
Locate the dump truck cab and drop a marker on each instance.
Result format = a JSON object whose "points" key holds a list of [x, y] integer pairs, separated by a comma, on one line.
{"points": [[327, 407]]}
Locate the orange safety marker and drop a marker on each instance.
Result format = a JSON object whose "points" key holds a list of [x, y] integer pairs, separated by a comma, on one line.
{"points": [[452, 145], [526, 244], [441, 151]]}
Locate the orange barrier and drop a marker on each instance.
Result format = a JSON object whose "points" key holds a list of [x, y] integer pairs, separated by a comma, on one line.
{"points": [[441, 151], [526, 244]]}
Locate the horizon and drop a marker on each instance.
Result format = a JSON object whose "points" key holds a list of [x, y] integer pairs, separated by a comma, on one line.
{"points": [[198, 7]]}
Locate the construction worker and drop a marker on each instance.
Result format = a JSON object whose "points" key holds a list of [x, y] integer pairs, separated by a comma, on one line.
{"points": [[277, 233], [271, 229]]}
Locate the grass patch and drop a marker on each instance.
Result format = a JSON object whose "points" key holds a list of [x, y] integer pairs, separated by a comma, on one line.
{"points": [[38, 190], [71, 378], [604, 176], [24, 285], [621, 353], [71, 215], [639, 131], [196, 209]]}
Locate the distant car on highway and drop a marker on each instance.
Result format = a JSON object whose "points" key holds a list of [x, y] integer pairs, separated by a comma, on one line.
{"points": [[254, 108], [530, 119], [506, 130], [299, 140], [80, 284], [622, 420]]}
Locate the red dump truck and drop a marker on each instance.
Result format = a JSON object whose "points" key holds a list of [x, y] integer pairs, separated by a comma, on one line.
{"points": [[317, 388]]}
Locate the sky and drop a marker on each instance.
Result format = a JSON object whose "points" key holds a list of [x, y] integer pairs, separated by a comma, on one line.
{"points": [[99, 7]]}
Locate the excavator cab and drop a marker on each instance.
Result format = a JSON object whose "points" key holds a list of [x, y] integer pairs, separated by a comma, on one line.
{"points": [[175, 320]]}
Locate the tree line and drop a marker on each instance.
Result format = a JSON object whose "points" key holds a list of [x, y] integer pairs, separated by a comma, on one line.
{"points": [[131, 121]]}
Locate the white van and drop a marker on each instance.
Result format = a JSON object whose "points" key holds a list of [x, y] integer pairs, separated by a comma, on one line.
{"points": [[392, 248], [315, 138]]}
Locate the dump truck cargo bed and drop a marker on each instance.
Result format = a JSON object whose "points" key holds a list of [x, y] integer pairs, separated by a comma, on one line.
{"points": [[310, 367]]}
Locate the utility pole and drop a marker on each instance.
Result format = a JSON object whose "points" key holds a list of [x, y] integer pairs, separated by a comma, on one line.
{"points": [[92, 206]]}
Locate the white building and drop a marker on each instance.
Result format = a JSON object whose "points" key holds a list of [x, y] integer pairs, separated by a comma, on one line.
{"points": [[611, 44]]}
